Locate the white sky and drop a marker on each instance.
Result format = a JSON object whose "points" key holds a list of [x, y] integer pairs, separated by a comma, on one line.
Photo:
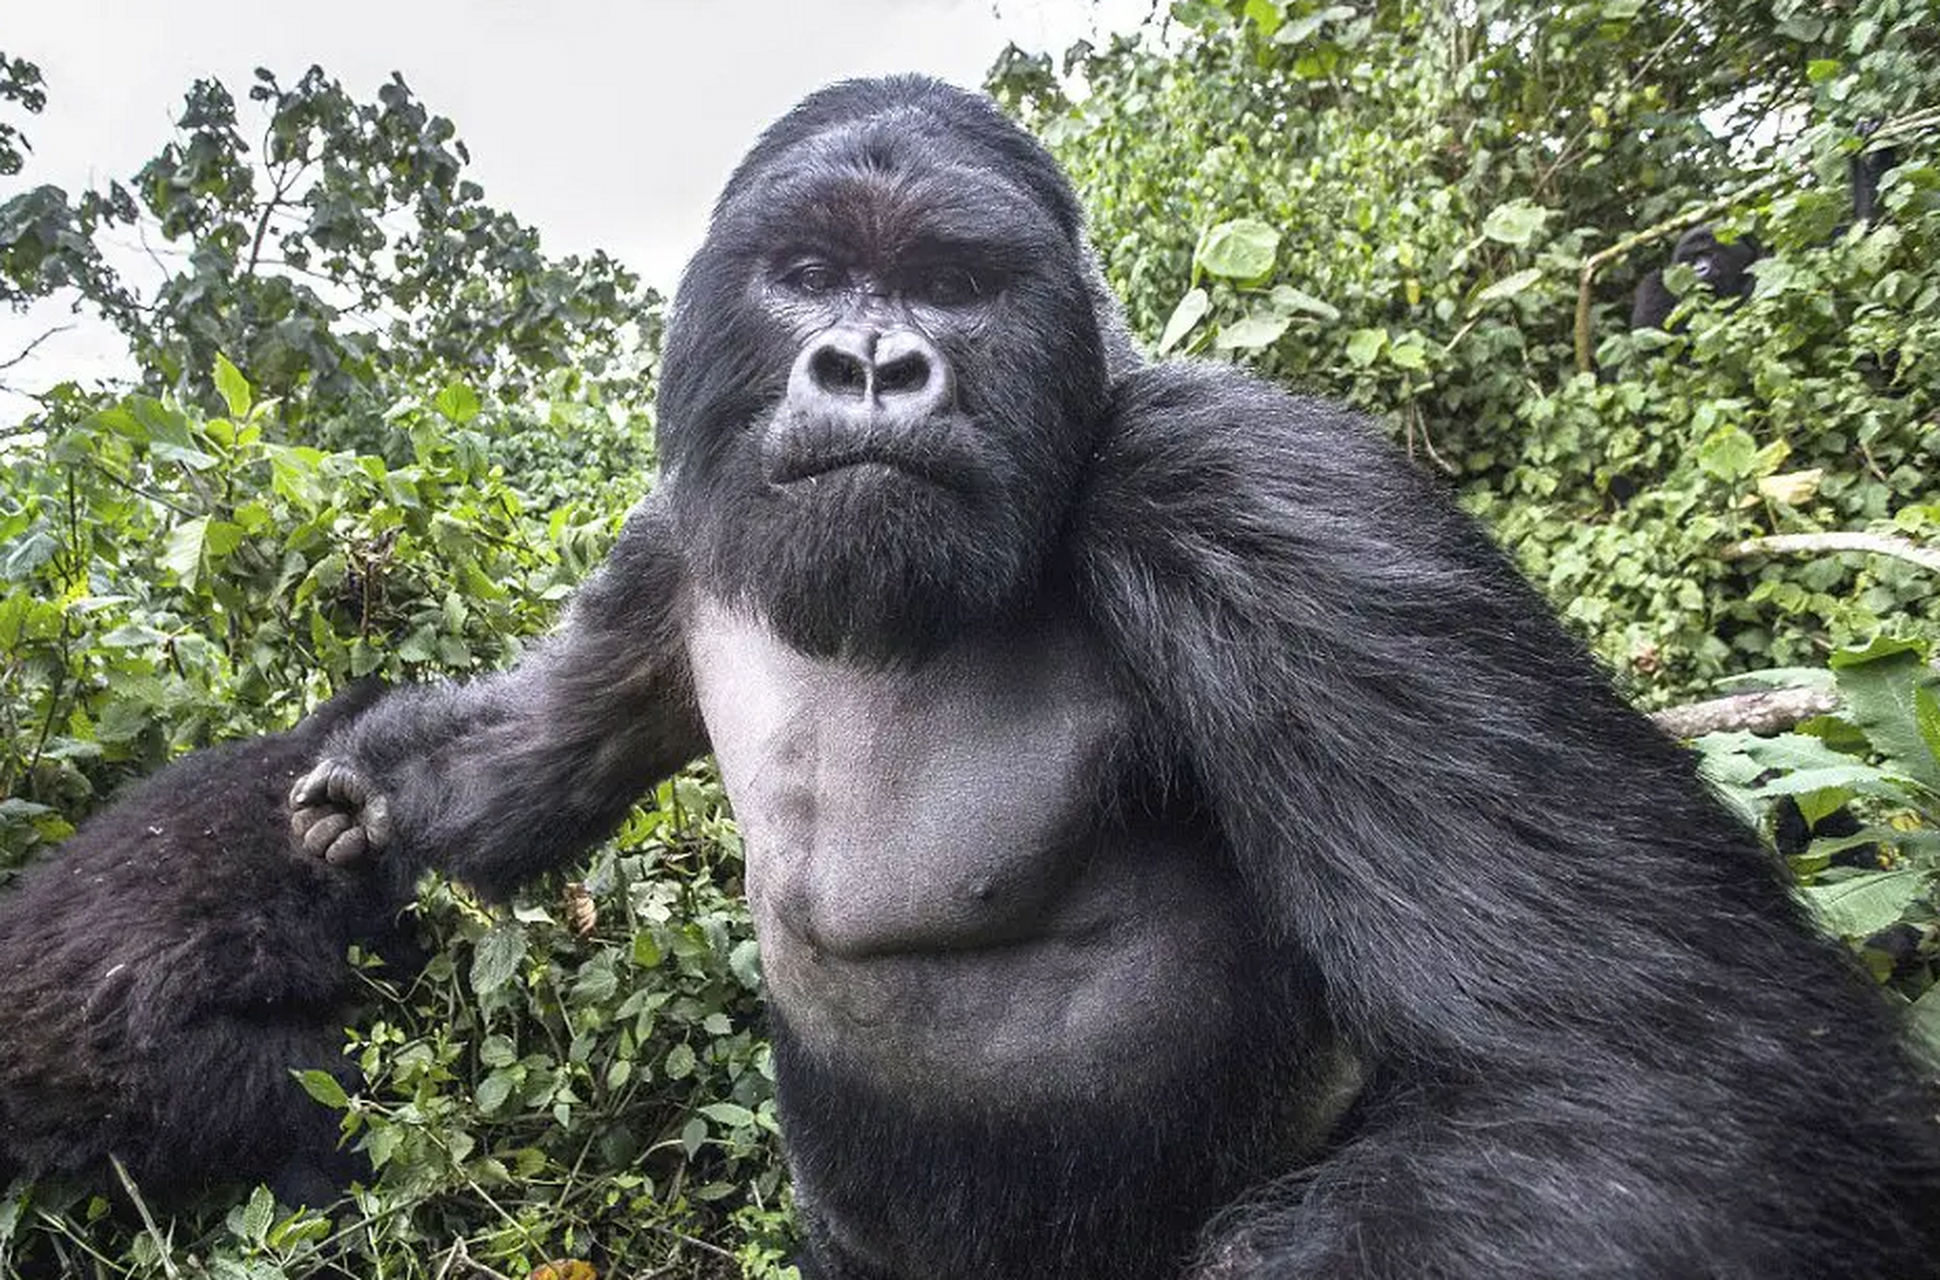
{"points": [[604, 123]]}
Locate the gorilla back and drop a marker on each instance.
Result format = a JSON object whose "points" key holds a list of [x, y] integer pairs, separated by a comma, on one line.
{"points": [[1180, 843], [165, 970]]}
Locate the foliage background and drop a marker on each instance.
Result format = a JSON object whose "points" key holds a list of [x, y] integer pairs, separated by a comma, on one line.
{"points": [[379, 429]]}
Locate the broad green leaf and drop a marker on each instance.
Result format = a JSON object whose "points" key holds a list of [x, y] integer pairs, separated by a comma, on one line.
{"points": [[233, 386], [323, 1086], [258, 1214], [495, 1088], [1867, 903], [1516, 222], [1879, 688], [1242, 249], [1185, 317], [1408, 354], [1363, 345], [497, 957], [728, 1113], [1251, 333], [182, 549], [458, 403], [1511, 285], [680, 1062], [1728, 453], [1287, 298]]}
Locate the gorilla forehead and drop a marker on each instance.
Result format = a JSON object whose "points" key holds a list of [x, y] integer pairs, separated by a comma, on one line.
{"points": [[880, 192], [908, 125]]}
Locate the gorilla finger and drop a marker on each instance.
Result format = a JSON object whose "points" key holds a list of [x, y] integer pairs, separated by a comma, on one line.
{"points": [[318, 838], [377, 821], [351, 846], [347, 786], [311, 785]]}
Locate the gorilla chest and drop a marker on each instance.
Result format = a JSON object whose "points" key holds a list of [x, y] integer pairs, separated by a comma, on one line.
{"points": [[937, 882]]}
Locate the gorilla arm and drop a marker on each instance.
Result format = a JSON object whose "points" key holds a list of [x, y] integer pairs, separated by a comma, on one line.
{"points": [[510, 775], [1558, 953]]}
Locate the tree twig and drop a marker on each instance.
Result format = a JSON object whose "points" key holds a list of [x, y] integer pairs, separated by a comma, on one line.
{"points": [[29, 348], [1878, 544], [1766, 711]]}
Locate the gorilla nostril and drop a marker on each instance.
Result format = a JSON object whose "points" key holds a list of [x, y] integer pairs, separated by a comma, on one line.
{"points": [[840, 373], [903, 375]]}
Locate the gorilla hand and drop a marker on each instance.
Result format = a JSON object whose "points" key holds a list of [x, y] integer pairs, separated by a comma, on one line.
{"points": [[338, 814]]}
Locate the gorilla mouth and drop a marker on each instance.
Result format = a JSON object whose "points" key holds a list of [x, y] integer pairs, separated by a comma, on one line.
{"points": [[799, 453], [796, 470]]}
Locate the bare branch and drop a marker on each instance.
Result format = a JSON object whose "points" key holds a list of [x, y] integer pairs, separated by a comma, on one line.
{"points": [[28, 350], [1878, 544], [1766, 711]]}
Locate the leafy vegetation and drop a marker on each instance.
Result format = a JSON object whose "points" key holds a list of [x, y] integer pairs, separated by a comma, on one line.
{"points": [[377, 429]]}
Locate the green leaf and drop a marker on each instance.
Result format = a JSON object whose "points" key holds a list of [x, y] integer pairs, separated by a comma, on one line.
{"points": [[458, 403], [323, 1086], [1251, 333], [1363, 345], [727, 1113], [1516, 222], [233, 386], [1242, 249], [1408, 354], [1191, 310], [1880, 686], [1288, 299], [495, 1088], [1926, 714], [1509, 286], [680, 1062], [182, 549], [744, 962], [1729, 453], [258, 1214], [497, 957], [1865, 904]]}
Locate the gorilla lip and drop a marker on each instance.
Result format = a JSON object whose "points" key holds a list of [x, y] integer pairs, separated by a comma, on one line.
{"points": [[798, 452]]}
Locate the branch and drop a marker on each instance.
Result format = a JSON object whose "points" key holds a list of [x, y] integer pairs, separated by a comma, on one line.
{"points": [[29, 348], [1878, 544], [1766, 711]]}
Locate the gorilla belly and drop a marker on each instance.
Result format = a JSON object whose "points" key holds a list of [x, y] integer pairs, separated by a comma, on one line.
{"points": [[945, 882]]}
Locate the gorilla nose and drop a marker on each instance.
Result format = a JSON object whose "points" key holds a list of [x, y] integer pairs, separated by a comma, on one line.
{"points": [[899, 371]]}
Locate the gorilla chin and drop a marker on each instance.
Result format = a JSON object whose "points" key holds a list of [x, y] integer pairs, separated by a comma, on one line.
{"points": [[875, 546]]}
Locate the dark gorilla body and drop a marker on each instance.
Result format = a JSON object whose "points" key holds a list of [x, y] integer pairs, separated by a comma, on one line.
{"points": [[1724, 267], [1180, 843], [169, 966]]}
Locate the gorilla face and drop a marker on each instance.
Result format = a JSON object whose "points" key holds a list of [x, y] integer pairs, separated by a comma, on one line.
{"points": [[1724, 268], [883, 371]]}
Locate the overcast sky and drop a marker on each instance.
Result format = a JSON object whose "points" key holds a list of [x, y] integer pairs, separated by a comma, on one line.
{"points": [[605, 123]]}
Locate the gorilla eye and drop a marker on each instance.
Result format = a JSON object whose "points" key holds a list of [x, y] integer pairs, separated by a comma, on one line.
{"points": [[815, 278], [950, 286]]}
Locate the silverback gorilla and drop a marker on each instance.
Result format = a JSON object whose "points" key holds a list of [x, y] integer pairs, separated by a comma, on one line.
{"points": [[169, 967], [1180, 843]]}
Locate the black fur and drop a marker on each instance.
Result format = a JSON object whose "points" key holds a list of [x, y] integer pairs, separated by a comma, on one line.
{"points": [[1576, 1023], [165, 969]]}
